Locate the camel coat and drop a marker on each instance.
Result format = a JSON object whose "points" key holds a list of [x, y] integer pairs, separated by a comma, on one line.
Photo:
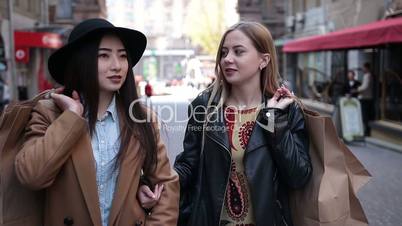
{"points": [[57, 157]]}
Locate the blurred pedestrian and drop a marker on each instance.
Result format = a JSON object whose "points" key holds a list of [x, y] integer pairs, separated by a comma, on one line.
{"points": [[246, 144], [85, 145], [148, 89], [365, 94], [352, 85]]}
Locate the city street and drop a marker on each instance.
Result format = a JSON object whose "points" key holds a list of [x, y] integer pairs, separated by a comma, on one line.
{"points": [[381, 197], [172, 111], [339, 58]]}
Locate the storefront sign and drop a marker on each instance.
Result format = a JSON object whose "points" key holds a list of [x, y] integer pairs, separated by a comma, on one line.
{"points": [[351, 118], [22, 54], [37, 39]]}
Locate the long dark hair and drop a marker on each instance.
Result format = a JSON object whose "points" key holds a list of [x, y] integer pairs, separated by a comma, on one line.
{"points": [[81, 74]]}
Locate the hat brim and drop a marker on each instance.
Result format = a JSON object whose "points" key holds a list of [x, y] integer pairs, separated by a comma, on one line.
{"points": [[134, 41]]}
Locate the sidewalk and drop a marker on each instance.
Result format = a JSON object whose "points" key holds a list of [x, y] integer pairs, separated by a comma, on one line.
{"points": [[382, 196], [383, 144]]}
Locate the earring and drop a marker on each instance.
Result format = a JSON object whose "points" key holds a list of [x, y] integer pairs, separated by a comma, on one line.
{"points": [[261, 67]]}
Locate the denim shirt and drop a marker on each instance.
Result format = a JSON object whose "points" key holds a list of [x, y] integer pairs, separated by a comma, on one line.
{"points": [[105, 145]]}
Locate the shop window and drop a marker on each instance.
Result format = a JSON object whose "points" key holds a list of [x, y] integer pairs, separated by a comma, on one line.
{"points": [[314, 80], [338, 78], [315, 84], [391, 85]]}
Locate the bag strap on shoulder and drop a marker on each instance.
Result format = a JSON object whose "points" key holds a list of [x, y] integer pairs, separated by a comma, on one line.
{"points": [[43, 95]]}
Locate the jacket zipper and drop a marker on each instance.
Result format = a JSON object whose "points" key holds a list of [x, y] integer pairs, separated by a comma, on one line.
{"points": [[281, 212], [279, 202], [227, 178], [284, 221]]}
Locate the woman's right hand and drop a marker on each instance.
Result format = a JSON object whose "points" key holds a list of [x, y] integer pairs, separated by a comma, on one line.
{"points": [[282, 98], [68, 103], [147, 198]]}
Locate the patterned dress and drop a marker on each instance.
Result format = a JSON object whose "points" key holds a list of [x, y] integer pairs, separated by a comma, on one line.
{"points": [[237, 209]]}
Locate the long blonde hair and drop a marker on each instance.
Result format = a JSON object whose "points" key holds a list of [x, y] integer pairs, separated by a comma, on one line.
{"points": [[262, 40]]}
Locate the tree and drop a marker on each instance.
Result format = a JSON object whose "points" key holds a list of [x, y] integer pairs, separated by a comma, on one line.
{"points": [[205, 24]]}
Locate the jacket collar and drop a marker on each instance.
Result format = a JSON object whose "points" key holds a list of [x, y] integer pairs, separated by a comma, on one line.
{"points": [[112, 109], [258, 137]]}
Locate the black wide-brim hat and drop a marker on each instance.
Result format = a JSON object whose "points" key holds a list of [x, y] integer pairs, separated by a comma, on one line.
{"points": [[134, 41]]}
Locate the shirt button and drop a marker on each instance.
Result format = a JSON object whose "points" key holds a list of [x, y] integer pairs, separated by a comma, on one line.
{"points": [[102, 141], [268, 114]]}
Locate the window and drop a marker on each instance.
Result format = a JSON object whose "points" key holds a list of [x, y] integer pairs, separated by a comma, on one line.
{"points": [[391, 92], [64, 9], [315, 80]]}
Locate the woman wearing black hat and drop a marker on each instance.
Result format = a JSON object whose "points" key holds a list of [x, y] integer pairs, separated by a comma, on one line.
{"points": [[87, 145]]}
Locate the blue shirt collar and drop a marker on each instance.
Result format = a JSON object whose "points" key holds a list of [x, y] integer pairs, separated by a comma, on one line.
{"points": [[112, 110]]}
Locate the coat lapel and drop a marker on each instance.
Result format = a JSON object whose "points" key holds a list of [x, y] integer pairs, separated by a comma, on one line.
{"points": [[84, 164], [128, 168], [216, 129], [258, 136]]}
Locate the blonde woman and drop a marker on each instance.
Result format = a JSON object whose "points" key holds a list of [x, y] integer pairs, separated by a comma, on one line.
{"points": [[252, 147]]}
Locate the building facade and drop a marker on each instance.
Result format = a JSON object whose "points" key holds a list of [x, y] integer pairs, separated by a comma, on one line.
{"points": [[27, 15], [271, 13], [71, 12], [39, 27], [162, 21], [322, 75]]}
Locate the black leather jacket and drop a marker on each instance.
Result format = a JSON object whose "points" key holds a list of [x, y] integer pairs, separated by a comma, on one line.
{"points": [[274, 163]]}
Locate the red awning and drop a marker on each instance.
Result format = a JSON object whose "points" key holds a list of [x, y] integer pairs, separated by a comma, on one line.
{"points": [[37, 39], [367, 35]]}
